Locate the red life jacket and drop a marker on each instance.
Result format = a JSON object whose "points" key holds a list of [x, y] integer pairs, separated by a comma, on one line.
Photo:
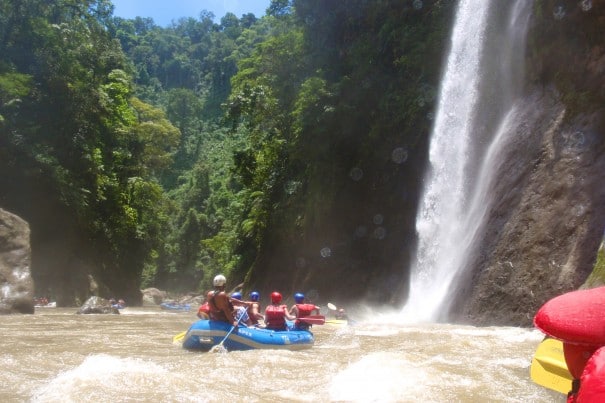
{"points": [[275, 317], [205, 308], [305, 310]]}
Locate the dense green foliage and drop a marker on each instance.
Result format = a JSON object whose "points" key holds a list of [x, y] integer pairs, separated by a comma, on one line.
{"points": [[597, 277], [79, 154], [337, 140], [150, 156], [563, 31]]}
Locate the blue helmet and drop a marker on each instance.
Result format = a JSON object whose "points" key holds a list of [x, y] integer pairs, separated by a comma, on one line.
{"points": [[254, 296], [237, 295], [299, 297]]}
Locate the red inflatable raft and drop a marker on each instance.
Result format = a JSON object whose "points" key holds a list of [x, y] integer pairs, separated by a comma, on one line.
{"points": [[577, 319]]}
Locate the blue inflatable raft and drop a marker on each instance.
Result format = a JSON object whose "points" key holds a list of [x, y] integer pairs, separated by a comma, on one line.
{"points": [[204, 334], [175, 306]]}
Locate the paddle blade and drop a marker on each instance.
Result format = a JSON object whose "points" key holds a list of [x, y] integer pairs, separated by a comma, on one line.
{"points": [[313, 320], [331, 306], [179, 337], [219, 349], [548, 367]]}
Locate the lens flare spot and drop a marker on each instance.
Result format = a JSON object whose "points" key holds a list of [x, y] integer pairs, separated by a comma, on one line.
{"points": [[380, 233], [356, 174], [378, 219], [399, 155]]}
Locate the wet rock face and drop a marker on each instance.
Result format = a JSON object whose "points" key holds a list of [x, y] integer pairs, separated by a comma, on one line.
{"points": [[16, 285], [544, 232]]}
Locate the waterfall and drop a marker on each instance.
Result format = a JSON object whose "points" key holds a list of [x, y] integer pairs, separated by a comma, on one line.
{"points": [[478, 87]]}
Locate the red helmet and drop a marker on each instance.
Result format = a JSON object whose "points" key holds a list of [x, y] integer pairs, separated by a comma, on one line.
{"points": [[275, 297]]}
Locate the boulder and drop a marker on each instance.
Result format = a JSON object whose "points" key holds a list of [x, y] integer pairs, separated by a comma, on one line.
{"points": [[153, 296], [16, 284], [97, 305]]}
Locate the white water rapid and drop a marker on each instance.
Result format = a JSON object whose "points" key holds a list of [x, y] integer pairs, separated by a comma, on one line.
{"points": [[470, 126]]}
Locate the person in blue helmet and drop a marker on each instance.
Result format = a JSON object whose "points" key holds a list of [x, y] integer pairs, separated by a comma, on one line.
{"points": [[241, 308], [302, 308], [254, 308]]}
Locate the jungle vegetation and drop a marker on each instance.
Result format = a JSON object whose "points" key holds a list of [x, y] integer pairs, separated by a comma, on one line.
{"points": [[159, 156]]}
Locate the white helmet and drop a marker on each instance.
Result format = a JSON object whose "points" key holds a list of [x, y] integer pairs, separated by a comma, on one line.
{"points": [[219, 281]]}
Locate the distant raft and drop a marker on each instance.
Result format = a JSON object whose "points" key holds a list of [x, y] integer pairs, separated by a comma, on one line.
{"points": [[205, 334], [174, 306]]}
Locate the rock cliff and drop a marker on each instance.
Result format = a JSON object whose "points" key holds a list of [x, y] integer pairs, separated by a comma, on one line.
{"points": [[543, 236], [16, 286]]}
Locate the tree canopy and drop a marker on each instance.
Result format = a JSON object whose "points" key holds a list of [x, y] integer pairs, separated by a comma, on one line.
{"points": [[155, 156]]}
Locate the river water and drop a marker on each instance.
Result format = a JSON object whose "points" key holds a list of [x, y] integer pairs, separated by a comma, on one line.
{"points": [[58, 356]]}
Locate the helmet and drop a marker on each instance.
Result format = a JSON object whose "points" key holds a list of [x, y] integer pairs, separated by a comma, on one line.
{"points": [[299, 297], [254, 296], [275, 297], [219, 281], [237, 295]]}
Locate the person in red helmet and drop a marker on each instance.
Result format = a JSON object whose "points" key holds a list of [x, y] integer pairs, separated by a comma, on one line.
{"points": [[276, 313]]}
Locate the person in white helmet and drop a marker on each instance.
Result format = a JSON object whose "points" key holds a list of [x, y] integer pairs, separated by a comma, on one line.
{"points": [[221, 308]]}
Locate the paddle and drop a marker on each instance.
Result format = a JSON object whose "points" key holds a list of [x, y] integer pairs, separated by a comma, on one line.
{"points": [[548, 367], [179, 337], [219, 348], [313, 319]]}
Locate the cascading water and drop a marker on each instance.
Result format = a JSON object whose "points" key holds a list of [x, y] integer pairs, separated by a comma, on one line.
{"points": [[485, 59]]}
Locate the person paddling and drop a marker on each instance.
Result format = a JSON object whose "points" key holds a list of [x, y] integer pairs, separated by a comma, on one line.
{"points": [[276, 313], [241, 308], [203, 311], [254, 308], [301, 309], [221, 308], [341, 314]]}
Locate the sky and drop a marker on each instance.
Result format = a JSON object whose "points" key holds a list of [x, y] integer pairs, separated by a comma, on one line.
{"points": [[164, 11]]}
